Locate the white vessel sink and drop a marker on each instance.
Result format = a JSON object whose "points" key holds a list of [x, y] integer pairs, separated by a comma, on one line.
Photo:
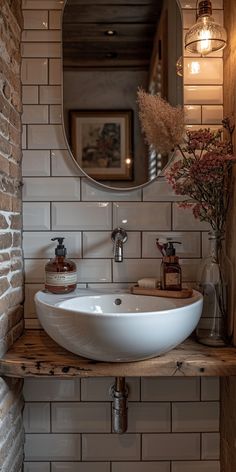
{"points": [[117, 327]]}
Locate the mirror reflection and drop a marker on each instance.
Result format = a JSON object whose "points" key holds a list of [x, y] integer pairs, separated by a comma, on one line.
{"points": [[110, 49]]}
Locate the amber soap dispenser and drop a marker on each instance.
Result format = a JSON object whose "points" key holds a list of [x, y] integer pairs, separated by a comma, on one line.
{"points": [[171, 274], [60, 273]]}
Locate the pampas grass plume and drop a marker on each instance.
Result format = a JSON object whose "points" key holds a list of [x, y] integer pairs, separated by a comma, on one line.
{"points": [[162, 124]]}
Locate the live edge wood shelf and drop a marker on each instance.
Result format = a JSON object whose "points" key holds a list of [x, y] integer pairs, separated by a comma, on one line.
{"points": [[36, 355]]}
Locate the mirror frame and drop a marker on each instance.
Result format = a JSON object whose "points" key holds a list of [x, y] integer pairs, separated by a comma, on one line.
{"points": [[101, 185]]}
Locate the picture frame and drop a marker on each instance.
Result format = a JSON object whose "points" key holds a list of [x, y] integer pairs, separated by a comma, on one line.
{"points": [[101, 143]]}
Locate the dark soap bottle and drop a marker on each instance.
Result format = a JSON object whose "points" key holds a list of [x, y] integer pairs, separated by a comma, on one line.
{"points": [[171, 273], [60, 273]]}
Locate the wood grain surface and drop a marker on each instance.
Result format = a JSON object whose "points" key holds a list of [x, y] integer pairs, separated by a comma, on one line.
{"points": [[228, 385], [37, 355], [157, 292]]}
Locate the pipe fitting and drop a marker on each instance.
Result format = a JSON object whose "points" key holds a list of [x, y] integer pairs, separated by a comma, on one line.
{"points": [[119, 393]]}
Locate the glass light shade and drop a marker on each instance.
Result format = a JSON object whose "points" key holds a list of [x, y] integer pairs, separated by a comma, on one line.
{"points": [[205, 36], [179, 66]]}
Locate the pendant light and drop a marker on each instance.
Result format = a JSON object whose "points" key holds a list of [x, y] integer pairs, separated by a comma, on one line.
{"points": [[205, 36], [179, 67]]}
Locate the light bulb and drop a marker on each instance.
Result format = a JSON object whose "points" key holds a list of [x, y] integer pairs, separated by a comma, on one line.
{"points": [[204, 45], [128, 161]]}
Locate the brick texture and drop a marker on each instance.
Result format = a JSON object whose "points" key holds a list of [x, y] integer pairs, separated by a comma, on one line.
{"points": [[11, 273], [11, 277], [11, 431]]}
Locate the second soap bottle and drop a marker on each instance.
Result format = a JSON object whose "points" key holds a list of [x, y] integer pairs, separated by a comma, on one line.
{"points": [[171, 274]]}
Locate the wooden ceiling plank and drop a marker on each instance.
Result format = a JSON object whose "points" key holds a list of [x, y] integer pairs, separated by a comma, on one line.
{"points": [[89, 32], [156, 3], [111, 14], [136, 47], [127, 63]]}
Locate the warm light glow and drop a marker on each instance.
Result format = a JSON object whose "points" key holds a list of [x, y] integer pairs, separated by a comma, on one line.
{"points": [[204, 45], [194, 67], [128, 161], [110, 32]]}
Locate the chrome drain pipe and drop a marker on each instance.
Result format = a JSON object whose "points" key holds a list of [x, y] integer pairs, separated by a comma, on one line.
{"points": [[119, 393]]}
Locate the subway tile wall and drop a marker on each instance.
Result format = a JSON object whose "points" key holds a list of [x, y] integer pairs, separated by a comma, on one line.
{"points": [[173, 423]]}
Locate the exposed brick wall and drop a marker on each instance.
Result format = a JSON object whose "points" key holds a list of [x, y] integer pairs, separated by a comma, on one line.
{"points": [[11, 275], [11, 265], [11, 430]]}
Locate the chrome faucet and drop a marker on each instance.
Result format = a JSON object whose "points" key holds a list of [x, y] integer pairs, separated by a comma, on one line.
{"points": [[119, 237]]}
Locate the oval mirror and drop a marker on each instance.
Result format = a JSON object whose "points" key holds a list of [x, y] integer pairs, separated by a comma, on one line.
{"points": [[110, 49]]}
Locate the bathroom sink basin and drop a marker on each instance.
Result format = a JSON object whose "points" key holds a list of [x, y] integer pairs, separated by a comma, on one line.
{"points": [[117, 327]]}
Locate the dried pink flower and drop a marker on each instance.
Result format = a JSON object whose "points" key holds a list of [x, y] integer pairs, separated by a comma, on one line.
{"points": [[162, 124], [203, 173]]}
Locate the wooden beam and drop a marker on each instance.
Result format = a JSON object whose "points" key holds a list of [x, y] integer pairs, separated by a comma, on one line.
{"points": [[83, 48], [230, 110], [228, 424], [125, 32], [111, 14], [228, 385], [115, 2], [120, 63]]}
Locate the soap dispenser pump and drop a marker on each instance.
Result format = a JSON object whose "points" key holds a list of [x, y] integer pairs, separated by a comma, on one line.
{"points": [[60, 273], [171, 274]]}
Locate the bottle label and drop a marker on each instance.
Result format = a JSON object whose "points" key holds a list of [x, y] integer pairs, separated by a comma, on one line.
{"points": [[60, 279], [172, 279]]}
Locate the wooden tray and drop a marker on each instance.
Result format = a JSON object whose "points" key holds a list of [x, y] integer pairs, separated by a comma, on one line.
{"points": [[157, 292]]}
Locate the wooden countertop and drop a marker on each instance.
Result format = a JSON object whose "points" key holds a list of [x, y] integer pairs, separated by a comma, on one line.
{"points": [[36, 355]]}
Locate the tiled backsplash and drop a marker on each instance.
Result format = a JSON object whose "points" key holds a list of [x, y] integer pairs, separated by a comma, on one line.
{"points": [[173, 423]]}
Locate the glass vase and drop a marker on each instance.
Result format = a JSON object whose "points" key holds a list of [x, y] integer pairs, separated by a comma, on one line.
{"points": [[216, 283]]}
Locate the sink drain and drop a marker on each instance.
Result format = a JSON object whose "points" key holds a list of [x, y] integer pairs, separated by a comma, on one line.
{"points": [[118, 301]]}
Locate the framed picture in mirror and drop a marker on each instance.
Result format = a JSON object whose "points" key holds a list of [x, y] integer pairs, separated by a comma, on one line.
{"points": [[101, 143]]}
